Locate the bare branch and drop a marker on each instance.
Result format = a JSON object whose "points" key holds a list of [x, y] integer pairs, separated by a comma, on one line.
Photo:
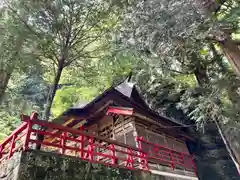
{"points": [[46, 55], [85, 55], [22, 20], [81, 27], [88, 38]]}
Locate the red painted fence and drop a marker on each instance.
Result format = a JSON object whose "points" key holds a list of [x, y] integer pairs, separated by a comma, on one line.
{"points": [[68, 141]]}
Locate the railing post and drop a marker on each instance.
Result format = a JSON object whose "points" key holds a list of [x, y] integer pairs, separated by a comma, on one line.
{"points": [[63, 138], [81, 138], [182, 157], [171, 158], [1, 148], [12, 146], [129, 158], [91, 149], [29, 131], [112, 147], [89, 155], [143, 155], [155, 149], [81, 146], [28, 134]]}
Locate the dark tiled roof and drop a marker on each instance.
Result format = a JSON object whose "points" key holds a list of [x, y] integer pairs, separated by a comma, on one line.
{"points": [[126, 93]]}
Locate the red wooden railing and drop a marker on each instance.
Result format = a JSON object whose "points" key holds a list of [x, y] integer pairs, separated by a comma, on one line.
{"points": [[161, 155], [68, 141]]}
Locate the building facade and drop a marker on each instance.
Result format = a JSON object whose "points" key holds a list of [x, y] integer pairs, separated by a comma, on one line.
{"points": [[121, 114]]}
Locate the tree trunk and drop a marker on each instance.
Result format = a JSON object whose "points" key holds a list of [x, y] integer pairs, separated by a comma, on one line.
{"points": [[217, 57], [209, 6], [228, 46], [4, 78], [53, 89], [232, 52], [7, 69], [50, 99], [201, 76], [200, 70]]}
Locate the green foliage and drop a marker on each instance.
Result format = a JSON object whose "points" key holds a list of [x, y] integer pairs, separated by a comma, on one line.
{"points": [[25, 94], [68, 33], [82, 87], [71, 96], [68, 52]]}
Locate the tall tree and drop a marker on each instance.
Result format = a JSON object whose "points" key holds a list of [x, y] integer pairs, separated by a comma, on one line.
{"points": [[12, 42], [164, 29], [69, 33], [80, 87], [222, 33], [181, 40]]}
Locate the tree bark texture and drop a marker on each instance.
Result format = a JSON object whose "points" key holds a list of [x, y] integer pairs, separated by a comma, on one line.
{"points": [[7, 69], [201, 76], [210, 6], [50, 98], [200, 70], [4, 78], [228, 46], [53, 89], [232, 52]]}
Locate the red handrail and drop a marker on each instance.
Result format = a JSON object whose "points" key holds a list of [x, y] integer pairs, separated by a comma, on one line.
{"points": [[91, 148], [8, 146], [175, 159]]}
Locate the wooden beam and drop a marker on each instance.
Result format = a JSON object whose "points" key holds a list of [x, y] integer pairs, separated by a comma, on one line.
{"points": [[78, 125], [162, 126], [120, 110]]}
